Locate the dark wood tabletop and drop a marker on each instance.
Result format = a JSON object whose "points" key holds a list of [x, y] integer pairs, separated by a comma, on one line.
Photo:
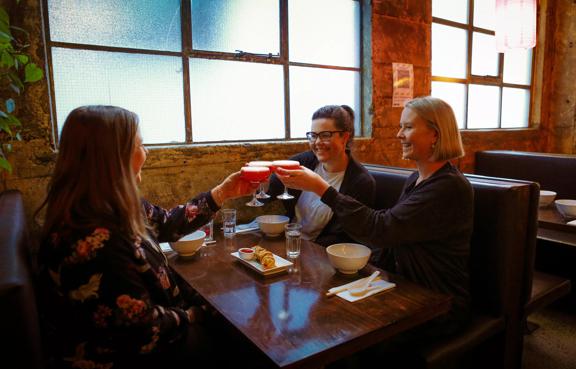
{"points": [[552, 227], [288, 315]]}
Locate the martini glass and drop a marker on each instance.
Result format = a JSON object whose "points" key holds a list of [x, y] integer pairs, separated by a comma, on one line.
{"points": [[255, 175], [261, 194], [286, 164]]}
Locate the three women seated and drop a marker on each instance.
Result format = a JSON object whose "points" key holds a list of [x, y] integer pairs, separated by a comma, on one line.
{"points": [[109, 292]]}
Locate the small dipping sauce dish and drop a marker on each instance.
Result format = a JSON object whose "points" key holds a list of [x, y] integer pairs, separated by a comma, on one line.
{"points": [[246, 253]]}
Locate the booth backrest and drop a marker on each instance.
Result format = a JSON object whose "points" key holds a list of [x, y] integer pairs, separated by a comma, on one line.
{"points": [[554, 172], [501, 246], [21, 344]]}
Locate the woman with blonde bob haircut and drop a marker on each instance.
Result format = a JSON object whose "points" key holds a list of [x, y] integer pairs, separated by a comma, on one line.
{"points": [[440, 117], [108, 294], [426, 235]]}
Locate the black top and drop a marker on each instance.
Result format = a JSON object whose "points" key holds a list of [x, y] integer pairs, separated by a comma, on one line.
{"points": [[426, 234], [357, 183]]}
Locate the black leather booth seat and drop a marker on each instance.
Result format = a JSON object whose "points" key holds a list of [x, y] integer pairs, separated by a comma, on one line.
{"points": [[554, 172], [502, 247], [20, 346]]}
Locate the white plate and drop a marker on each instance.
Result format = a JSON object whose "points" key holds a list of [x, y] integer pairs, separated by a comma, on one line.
{"points": [[281, 264]]}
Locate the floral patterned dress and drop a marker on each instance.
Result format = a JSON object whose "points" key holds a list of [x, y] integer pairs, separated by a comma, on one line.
{"points": [[108, 298]]}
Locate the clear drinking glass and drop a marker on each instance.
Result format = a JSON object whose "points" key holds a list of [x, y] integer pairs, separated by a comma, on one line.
{"points": [[208, 228], [293, 239], [286, 164], [229, 222]]}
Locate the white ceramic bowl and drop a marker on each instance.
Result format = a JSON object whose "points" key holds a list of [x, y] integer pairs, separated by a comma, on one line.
{"points": [[272, 225], [546, 198], [189, 244], [566, 207], [348, 258]]}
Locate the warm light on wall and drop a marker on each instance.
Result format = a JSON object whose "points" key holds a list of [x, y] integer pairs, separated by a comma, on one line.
{"points": [[515, 24]]}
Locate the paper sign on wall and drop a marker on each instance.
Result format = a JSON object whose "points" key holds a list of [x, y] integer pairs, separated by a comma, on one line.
{"points": [[403, 91]]}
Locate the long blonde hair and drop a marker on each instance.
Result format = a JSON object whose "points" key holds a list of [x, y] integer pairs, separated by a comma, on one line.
{"points": [[93, 184], [440, 117]]}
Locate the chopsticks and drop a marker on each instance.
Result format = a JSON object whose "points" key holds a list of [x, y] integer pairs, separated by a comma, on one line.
{"points": [[357, 283]]}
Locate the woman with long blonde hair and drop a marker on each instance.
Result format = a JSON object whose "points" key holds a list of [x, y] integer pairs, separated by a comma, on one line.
{"points": [[109, 295]]}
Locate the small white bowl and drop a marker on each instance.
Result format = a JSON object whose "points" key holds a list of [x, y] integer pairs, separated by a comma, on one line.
{"points": [[348, 258], [272, 225], [189, 244], [566, 207], [246, 253], [546, 198]]}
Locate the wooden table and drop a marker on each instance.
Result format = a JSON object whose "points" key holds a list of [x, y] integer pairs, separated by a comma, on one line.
{"points": [[288, 316], [552, 227]]}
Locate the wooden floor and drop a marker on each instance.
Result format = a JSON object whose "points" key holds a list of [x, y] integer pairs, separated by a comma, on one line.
{"points": [[553, 345]]}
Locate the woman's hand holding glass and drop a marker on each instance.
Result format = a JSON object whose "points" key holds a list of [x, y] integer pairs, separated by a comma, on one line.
{"points": [[233, 186], [302, 179]]}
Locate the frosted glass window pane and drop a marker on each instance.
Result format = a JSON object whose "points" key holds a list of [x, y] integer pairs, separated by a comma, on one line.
{"points": [[484, 55], [325, 32], [141, 24], [518, 66], [449, 53], [483, 106], [484, 14], [226, 26], [456, 11], [149, 85], [455, 95], [236, 100], [515, 107], [312, 88]]}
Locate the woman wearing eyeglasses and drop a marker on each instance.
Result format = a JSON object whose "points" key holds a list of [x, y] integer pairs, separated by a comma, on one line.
{"points": [[329, 157], [426, 235]]}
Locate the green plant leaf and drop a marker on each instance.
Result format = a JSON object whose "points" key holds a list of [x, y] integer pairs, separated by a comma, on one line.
{"points": [[16, 81], [14, 121], [32, 73], [10, 105], [22, 58], [4, 17], [5, 126], [5, 37], [3, 115], [6, 60], [4, 164]]}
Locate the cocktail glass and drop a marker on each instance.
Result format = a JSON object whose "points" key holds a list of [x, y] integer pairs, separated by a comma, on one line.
{"points": [[286, 164], [255, 175], [261, 194]]}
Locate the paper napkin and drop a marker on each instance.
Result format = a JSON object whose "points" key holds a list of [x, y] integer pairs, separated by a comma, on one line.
{"points": [[375, 287]]}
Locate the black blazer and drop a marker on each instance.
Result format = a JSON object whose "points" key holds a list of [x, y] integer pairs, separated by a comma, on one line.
{"points": [[357, 183]]}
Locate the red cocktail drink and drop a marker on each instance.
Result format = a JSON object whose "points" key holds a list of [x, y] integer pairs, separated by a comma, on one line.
{"points": [[261, 194], [255, 174], [286, 164]]}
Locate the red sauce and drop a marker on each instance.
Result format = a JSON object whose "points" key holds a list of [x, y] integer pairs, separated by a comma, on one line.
{"points": [[248, 251]]}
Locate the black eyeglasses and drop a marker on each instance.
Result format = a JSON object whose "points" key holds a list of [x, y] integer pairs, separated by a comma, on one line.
{"points": [[324, 135]]}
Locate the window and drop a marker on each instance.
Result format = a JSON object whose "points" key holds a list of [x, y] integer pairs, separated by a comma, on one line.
{"points": [[198, 71], [485, 88]]}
